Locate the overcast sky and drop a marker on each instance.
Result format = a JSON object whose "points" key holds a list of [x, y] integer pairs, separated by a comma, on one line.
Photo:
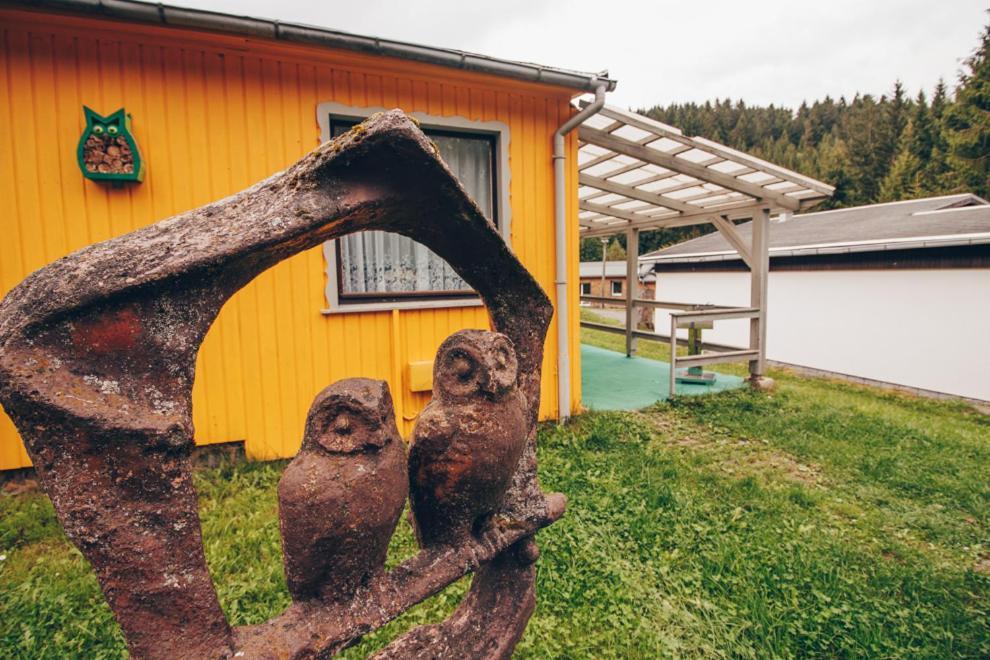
{"points": [[763, 51]]}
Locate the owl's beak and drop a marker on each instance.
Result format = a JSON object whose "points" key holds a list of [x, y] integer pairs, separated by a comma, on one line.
{"points": [[493, 383]]}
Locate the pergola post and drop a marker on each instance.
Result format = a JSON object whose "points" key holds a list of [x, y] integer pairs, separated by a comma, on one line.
{"points": [[759, 272], [632, 287], [604, 240]]}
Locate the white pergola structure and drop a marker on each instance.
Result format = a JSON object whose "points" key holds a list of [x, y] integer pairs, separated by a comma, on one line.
{"points": [[638, 174]]}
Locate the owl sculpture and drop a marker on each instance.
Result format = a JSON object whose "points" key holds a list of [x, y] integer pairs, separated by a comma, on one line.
{"points": [[467, 441], [341, 496], [107, 150]]}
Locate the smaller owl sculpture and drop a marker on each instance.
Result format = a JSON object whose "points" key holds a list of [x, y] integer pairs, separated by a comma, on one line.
{"points": [[342, 495], [468, 440], [107, 150]]}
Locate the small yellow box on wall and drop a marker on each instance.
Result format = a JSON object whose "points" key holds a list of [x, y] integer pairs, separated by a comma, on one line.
{"points": [[420, 376]]}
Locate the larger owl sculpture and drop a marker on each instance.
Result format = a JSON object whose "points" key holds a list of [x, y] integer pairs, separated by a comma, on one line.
{"points": [[467, 441], [341, 496]]}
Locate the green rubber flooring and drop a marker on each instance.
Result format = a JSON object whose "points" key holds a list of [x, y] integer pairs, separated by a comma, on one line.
{"points": [[611, 381]]}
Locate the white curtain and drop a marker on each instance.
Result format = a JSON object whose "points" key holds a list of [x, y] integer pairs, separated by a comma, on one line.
{"points": [[382, 262]]}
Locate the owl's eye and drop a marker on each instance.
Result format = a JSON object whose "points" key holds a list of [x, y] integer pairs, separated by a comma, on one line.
{"points": [[98, 130], [112, 130], [342, 425], [462, 366], [349, 432]]}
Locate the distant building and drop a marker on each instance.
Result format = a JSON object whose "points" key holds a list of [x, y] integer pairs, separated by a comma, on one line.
{"points": [[615, 286], [897, 292], [615, 280], [614, 276]]}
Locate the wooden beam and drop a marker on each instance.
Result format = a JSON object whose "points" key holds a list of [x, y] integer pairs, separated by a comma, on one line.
{"points": [[729, 233], [632, 286], [634, 193], [759, 273], [658, 304], [643, 223], [620, 170], [646, 154], [614, 212], [685, 319], [593, 196], [673, 357], [597, 160], [654, 336], [716, 358]]}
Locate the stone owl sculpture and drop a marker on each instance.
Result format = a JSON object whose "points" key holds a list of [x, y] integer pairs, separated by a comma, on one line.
{"points": [[107, 150], [467, 441], [342, 495]]}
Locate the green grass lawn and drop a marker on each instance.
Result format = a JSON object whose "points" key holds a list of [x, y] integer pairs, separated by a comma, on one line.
{"points": [[823, 520]]}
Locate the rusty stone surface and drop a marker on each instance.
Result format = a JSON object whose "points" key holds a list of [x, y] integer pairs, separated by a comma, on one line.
{"points": [[467, 441], [97, 359], [340, 498]]}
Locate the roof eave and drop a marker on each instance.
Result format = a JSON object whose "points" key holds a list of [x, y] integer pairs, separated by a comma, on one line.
{"points": [[158, 14], [916, 244]]}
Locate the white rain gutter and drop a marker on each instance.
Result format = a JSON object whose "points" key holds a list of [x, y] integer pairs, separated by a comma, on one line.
{"points": [[560, 225]]}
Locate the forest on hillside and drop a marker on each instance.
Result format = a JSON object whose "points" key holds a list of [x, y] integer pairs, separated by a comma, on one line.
{"points": [[895, 147]]}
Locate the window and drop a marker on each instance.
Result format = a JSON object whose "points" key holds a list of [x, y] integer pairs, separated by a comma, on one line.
{"points": [[616, 287], [382, 270], [585, 288]]}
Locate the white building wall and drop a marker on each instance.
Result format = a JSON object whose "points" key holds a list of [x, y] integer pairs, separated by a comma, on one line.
{"points": [[928, 329]]}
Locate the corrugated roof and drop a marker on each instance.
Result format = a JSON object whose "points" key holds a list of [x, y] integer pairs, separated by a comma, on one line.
{"points": [[160, 14], [962, 219], [636, 172]]}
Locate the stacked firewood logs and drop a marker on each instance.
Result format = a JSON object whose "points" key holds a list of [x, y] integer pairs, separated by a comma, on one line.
{"points": [[108, 155]]}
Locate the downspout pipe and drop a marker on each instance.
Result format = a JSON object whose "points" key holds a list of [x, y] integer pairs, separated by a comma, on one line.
{"points": [[560, 225]]}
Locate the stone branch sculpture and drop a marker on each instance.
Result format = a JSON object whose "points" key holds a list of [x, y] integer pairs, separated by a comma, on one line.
{"points": [[97, 359]]}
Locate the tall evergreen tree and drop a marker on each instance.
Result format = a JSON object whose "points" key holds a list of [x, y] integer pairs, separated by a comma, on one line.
{"points": [[616, 252], [866, 131], [902, 181], [967, 121], [922, 130]]}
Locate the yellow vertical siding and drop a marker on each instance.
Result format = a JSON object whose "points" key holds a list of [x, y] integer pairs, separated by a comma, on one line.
{"points": [[212, 115]]}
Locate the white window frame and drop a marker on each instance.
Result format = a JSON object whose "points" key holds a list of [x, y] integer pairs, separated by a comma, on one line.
{"points": [[619, 294], [497, 129], [585, 288]]}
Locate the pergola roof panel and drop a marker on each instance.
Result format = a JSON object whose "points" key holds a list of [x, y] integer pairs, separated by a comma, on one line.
{"points": [[638, 172]]}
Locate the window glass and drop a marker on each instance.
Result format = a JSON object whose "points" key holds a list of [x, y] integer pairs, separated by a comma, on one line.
{"points": [[616, 287], [378, 265]]}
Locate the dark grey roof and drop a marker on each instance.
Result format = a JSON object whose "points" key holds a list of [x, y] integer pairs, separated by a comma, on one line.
{"points": [[159, 14], [962, 219]]}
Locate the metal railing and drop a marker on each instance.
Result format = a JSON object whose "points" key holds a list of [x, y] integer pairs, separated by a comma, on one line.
{"points": [[686, 316], [688, 319]]}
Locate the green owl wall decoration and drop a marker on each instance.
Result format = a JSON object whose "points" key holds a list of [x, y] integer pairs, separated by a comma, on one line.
{"points": [[107, 150]]}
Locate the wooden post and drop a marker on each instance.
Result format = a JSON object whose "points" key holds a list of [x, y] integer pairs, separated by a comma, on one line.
{"points": [[694, 347], [759, 273], [673, 355], [632, 288]]}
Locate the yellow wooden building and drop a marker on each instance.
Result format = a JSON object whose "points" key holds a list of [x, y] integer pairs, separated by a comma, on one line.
{"points": [[219, 102]]}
